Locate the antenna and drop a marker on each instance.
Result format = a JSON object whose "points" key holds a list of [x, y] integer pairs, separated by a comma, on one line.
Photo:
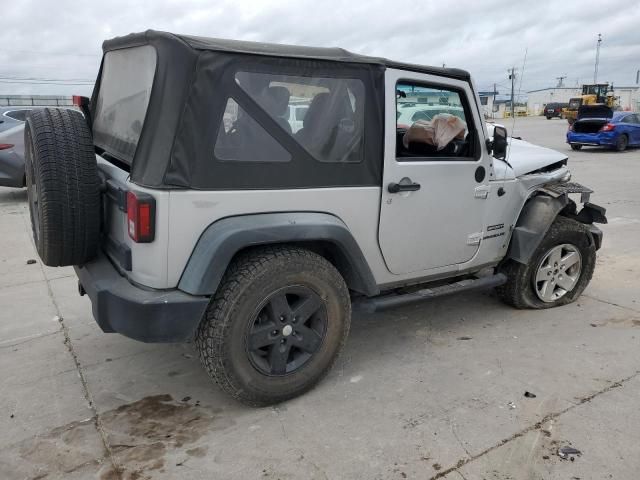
{"points": [[513, 123], [560, 81]]}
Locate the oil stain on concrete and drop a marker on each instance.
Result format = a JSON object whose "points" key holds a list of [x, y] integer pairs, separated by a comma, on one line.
{"points": [[140, 435]]}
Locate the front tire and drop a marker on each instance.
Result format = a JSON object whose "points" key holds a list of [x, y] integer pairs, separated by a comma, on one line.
{"points": [[558, 272], [276, 325], [576, 147]]}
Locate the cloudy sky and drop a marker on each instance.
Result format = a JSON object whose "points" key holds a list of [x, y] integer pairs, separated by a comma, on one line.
{"points": [[54, 46]]}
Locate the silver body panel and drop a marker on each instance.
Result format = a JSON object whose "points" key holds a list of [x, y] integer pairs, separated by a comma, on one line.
{"points": [[448, 227]]}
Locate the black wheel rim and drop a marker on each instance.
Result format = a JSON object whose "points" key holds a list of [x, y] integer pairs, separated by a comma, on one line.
{"points": [[287, 331], [32, 188]]}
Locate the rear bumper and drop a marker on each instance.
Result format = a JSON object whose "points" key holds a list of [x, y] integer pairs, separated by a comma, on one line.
{"points": [[601, 138], [142, 314]]}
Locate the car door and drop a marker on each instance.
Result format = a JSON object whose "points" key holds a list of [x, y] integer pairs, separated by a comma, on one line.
{"points": [[433, 200], [633, 124]]}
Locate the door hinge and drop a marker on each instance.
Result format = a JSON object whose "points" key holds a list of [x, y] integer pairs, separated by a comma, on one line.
{"points": [[474, 238], [482, 191]]}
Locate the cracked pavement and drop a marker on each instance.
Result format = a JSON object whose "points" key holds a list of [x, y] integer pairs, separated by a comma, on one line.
{"points": [[421, 392]]}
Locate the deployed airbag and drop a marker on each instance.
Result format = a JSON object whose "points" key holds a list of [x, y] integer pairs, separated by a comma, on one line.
{"points": [[439, 131]]}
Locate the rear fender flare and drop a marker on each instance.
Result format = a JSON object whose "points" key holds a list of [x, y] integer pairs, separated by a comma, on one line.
{"points": [[223, 239]]}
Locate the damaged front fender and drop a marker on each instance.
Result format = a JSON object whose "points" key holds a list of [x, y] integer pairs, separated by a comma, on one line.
{"points": [[535, 219]]}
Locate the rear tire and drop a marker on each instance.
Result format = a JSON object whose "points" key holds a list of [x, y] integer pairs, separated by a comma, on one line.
{"points": [[63, 186], [621, 143], [526, 282], [576, 147], [258, 340]]}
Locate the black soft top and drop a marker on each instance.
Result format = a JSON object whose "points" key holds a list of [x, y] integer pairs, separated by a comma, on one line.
{"points": [[333, 54], [195, 79]]}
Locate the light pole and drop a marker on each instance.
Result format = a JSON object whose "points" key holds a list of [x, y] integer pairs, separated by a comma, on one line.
{"points": [[595, 72]]}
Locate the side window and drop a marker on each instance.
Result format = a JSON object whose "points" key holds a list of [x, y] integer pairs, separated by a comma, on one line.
{"points": [[329, 112], [432, 122], [242, 139]]}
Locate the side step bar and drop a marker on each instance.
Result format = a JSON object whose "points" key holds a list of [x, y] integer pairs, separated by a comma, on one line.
{"points": [[384, 302]]}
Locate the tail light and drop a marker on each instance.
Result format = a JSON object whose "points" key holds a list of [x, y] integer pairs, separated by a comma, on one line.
{"points": [[141, 215], [6, 146], [608, 128]]}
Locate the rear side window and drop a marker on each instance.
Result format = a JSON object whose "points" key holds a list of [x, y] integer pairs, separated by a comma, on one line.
{"points": [[121, 107], [329, 119], [20, 115], [242, 139]]}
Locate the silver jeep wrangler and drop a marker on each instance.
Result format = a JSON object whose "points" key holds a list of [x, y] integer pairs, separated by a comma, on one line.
{"points": [[246, 196]]}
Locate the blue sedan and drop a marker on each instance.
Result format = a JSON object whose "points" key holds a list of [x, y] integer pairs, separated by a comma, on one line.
{"points": [[618, 130]]}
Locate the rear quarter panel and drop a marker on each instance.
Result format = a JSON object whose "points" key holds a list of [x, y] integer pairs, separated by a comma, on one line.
{"points": [[191, 212]]}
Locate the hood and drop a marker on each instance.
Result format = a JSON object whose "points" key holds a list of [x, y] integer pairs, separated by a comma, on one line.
{"points": [[525, 157]]}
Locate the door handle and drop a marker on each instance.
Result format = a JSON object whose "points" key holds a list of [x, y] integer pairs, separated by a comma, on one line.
{"points": [[399, 187]]}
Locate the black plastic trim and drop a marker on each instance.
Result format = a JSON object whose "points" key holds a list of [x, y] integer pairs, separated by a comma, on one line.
{"points": [[535, 219], [223, 239], [393, 300], [145, 315]]}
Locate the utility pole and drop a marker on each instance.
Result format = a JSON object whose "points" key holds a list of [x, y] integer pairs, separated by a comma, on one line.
{"points": [[595, 72], [560, 81], [512, 77]]}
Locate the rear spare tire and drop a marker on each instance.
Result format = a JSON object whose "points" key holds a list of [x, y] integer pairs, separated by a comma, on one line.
{"points": [[63, 186]]}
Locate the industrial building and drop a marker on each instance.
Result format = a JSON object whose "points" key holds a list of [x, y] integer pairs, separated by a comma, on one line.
{"points": [[628, 97]]}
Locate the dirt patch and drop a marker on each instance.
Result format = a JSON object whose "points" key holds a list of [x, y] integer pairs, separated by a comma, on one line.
{"points": [[141, 435], [620, 322]]}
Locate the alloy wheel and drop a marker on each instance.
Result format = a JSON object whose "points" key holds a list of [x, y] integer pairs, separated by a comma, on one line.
{"points": [[558, 272], [287, 331]]}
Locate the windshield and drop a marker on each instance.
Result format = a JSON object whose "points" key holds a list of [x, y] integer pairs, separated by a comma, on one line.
{"points": [[125, 89]]}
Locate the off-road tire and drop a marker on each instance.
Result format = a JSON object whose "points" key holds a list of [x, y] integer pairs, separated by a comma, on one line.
{"points": [[621, 143], [62, 186], [519, 290], [222, 336], [576, 147]]}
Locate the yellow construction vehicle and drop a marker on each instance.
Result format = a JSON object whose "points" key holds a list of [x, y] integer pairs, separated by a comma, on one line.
{"points": [[592, 94]]}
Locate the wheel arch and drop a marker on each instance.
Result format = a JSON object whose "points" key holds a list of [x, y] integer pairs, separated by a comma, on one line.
{"points": [[536, 216], [539, 212], [322, 233]]}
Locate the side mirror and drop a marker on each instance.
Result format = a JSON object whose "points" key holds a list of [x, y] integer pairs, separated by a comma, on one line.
{"points": [[500, 142]]}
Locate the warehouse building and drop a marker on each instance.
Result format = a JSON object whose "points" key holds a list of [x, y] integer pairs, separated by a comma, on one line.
{"points": [[629, 97]]}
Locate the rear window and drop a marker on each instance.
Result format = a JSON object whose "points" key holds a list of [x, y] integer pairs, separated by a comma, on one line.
{"points": [[125, 89]]}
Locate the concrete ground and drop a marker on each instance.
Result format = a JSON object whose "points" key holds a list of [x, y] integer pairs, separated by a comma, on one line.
{"points": [[430, 391]]}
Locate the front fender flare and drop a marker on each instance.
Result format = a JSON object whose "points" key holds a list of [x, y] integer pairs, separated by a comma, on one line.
{"points": [[224, 238], [535, 219]]}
